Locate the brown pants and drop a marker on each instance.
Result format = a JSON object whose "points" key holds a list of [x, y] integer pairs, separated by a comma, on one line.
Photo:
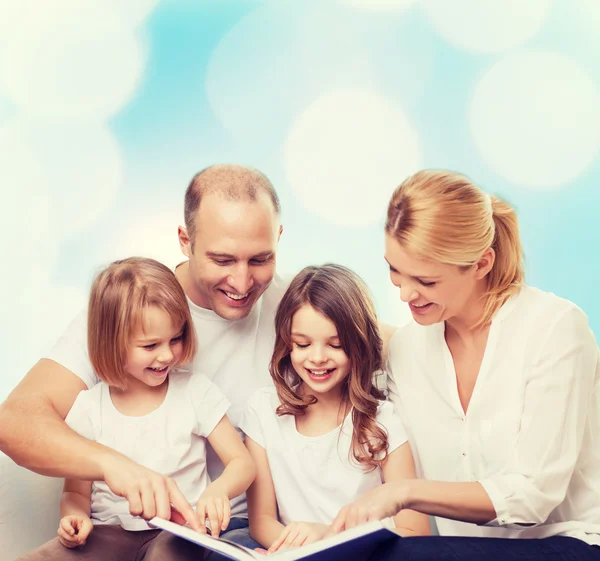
{"points": [[109, 542]]}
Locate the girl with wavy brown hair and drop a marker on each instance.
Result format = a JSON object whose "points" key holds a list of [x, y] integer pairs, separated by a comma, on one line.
{"points": [[322, 436]]}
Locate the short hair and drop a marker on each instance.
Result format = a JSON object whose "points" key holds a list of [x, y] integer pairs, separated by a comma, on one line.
{"points": [[120, 295], [232, 182], [443, 216]]}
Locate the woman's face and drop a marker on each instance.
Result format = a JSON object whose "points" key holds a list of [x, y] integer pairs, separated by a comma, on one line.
{"points": [[434, 291]]}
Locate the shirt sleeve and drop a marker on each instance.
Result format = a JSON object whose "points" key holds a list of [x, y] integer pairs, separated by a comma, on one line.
{"points": [[391, 422], [209, 403], [71, 350], [251, 419], [558, 387], [79, 417]]}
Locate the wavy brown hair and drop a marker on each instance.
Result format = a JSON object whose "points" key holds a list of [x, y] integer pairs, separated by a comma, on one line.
{"points": [[342, 296], [120, 295]]}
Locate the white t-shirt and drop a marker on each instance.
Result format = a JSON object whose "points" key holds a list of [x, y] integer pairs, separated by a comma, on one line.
{"points": [[531, 435], [235, 355], [313, 477], [170, 440]]}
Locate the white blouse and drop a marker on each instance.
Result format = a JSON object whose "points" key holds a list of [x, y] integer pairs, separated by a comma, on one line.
{"points": [[531, 434]]}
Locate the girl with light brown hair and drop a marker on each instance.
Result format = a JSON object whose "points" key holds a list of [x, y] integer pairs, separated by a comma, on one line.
{"points": [[323, 435], [152, 408], [498, 385]]}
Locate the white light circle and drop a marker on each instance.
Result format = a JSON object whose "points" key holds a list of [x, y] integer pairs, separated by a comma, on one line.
{"points": [[69, 175], [387, 5], [347, 152], [148, 232], [71, 60], [486, 26], [135, 12], [535, 118]]}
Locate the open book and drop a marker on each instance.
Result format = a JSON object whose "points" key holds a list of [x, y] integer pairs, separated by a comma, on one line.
{"points": [[356, 543]]}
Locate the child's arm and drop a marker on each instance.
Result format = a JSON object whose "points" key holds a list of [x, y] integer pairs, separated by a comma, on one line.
{"points": [[75, 524], [265, 527], [397, 466], [238, 475]]}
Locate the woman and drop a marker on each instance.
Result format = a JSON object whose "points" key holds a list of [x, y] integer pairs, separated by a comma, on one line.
{"points": [[497, 383]]}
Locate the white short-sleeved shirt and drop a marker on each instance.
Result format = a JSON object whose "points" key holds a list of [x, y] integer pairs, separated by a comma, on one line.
{"points": [[313, 477], [235, 355], [170, 440], [531, 434]]}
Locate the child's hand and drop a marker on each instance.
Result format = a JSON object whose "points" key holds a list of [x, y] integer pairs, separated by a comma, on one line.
{"points": [[74, 530], [297, 534], [216, 509]]}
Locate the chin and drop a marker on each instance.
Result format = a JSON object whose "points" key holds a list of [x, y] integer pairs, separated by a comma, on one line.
{"points": [[231, 313]]}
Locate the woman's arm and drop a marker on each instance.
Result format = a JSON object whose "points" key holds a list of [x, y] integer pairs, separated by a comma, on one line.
{"points": [[461, 501], [559, 386], [265, 527], [398, 467]]}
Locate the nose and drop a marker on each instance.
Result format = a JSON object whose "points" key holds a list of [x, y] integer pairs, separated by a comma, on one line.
{"points": [[317, 354], [241, 279], [407, 293], [165, 355]]}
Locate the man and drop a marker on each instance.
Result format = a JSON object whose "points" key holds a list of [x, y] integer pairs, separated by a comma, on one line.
{"points": [[232, 227]]}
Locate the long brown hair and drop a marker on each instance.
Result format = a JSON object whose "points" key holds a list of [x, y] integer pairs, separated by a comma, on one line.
{"points": [[119, 297], [342, 296], [443, 216]]}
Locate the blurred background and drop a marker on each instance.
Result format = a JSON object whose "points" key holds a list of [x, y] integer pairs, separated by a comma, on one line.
{"points": [[108, 108]]}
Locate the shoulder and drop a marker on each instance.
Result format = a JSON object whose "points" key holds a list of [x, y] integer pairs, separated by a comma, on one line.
{"points": [[408, 339], [193, 384], [542, 313], [264, 399]]}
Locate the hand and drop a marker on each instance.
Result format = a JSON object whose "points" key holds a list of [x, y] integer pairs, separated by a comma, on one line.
{"points": [[149, 493], [74, 530], [296, 534], [385, 500], [218, 511]]}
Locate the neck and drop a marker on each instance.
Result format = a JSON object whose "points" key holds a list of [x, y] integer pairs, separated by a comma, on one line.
{"points": [[327, 403], [464, 324]]}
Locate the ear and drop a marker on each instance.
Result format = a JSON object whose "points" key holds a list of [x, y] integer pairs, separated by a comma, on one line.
{"points": [[184, 241], [485, 263]]}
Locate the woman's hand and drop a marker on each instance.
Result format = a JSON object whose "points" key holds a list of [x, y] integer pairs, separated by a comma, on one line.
{"points": [[74, 530], [216, 509], [384, 501], [297, 534]]}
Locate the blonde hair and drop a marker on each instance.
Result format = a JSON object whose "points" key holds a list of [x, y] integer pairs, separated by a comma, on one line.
{"points": [[442, 216], [120, 295]]}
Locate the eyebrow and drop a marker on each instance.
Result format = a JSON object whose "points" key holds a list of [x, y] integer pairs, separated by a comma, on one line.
{"points": [[217, 255], [297, 334], [423, 277]]}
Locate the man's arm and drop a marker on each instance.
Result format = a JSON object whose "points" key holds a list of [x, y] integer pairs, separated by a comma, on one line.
{"points": [[32, 428], [33, 433]]}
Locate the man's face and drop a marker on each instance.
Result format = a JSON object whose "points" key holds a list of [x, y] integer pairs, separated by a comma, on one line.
{"points": [[233, 257]]}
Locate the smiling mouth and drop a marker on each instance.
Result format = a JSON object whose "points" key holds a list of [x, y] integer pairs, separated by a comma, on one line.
{"points": [[321, 373], [159, 371], [234, 296]]}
